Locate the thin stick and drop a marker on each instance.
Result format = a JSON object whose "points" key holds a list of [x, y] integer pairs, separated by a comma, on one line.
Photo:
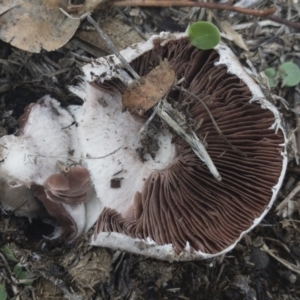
{"points": [[284, 262], [289, 197], [165, 3], [280, 20], [191, 139], [213, 120], [112, 47]]}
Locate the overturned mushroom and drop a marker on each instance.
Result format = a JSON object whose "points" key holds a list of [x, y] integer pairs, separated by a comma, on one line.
{"points": [[180, 211], [166, 203]]}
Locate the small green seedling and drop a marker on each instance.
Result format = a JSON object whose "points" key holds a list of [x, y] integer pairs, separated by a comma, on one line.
{"points": [[204, 35], [3, 294], [8, 253], [22, 275], [288, 73]]}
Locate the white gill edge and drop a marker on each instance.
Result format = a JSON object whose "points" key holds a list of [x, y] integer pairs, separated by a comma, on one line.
{"points": [[148, 247]]}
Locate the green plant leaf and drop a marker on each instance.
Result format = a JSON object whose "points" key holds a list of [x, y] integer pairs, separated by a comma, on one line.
{"points": [[23, 277], [204, 35], [8, 253], [289, 73], [271, 75], [3, 294]]}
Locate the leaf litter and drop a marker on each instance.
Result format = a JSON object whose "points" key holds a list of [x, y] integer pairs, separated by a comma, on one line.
{"points": [[244, 273], [35, 25]]}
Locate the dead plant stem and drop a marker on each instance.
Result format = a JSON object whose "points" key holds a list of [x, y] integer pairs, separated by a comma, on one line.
{"points": [[112, 47], [289, 197], [165, 3]]}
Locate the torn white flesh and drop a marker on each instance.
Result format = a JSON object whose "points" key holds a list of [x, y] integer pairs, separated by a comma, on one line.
{"points": [[47, 137], [109, 138]]}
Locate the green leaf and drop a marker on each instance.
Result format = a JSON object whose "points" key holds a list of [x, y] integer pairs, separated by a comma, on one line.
{"points": [[23, 277], [204, 35], [289, 73], [9, 254], [3, 294], [271, 75]]}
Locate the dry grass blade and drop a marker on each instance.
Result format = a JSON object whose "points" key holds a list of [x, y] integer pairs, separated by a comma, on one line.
{"points": [[284, 262], [289, 197]]}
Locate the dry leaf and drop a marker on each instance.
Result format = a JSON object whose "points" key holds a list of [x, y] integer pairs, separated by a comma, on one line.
{"points": [[121, 34], [145, 93], [33, 25], [236, 37], [84, 6]]}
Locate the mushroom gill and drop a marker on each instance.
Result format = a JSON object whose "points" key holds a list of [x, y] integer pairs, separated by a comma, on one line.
{"points": [[183, 205], [69, 186]]}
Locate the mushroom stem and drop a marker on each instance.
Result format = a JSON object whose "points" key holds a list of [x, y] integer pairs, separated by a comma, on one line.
{"points": [[166, 112]]}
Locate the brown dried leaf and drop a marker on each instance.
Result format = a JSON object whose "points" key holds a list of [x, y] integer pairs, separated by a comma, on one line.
{"points": [[236, 37], [145, 93], [33, 25], [84, 6], [121, 34]]}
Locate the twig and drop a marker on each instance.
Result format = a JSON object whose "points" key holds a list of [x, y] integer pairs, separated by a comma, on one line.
{"points": [[288, 198], [165, 3], [212, 119], [285, 22], [153, 114], [191, 138], [112, 47], [285, 247], [284, 262]]}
